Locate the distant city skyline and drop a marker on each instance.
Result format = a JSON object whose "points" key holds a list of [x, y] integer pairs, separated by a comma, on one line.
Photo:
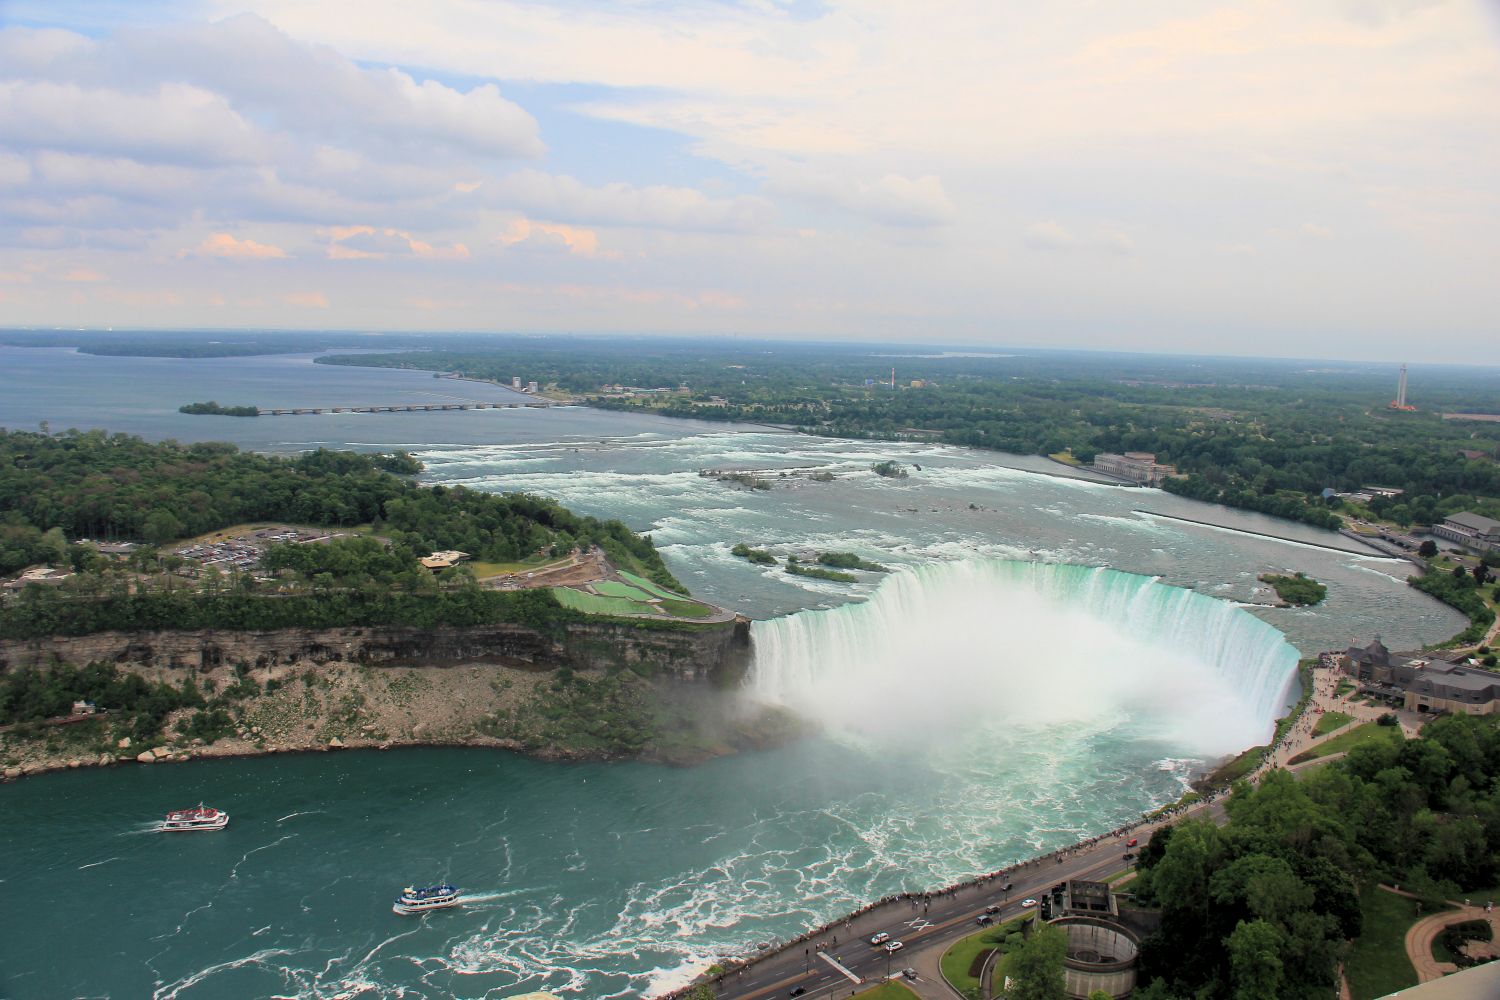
{"points": [[1277, 179]]}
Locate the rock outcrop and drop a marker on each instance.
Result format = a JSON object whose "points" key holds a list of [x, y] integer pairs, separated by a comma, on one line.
{"points": [[716, 654]]}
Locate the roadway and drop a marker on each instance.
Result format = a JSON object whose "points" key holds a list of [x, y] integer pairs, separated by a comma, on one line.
{"points": [[946, 917]]}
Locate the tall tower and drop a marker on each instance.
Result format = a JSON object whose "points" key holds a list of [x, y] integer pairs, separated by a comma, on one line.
{"points": [[893, 378], [1401, 389]]}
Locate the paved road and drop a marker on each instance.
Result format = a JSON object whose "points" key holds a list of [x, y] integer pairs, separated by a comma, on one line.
{"points": [[946, 918]]}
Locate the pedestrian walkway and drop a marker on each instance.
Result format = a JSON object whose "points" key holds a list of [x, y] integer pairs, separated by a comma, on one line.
{"points": [[1421, 935]]}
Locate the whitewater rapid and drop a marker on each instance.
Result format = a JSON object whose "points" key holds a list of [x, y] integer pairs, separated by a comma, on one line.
{"points": [[1028, 645]]}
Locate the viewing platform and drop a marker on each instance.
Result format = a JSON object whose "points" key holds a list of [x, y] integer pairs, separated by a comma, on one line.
{"points": [[399, 408]]}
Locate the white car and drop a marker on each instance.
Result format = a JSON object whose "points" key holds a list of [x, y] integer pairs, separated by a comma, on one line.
{"points": [[1028, 903], [894, 946], [880, 938]]}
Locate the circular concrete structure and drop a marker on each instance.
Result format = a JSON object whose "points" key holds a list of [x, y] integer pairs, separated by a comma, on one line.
{"points": [[1102, 955]]}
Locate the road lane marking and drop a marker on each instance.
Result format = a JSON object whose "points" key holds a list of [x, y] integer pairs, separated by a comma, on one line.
{"points": [[852, 977]]}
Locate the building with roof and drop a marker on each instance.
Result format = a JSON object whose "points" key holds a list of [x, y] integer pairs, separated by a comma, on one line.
{"points": [[1140, 466], [1473, 531], [1427, 684], [447, 559]]}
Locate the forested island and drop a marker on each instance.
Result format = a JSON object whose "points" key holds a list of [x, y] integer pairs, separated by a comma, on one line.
{"points": [[1298, 590], [215, 409]]}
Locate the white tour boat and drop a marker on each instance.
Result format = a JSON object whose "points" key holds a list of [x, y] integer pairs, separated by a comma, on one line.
{"points": [[433, 897], [200, 817]]}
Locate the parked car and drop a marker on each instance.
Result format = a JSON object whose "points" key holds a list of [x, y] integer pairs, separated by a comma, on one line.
{"points": [[1028, 903], [880, 938], [894, 946]]}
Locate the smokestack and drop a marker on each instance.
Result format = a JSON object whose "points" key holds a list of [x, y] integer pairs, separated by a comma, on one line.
{"points": [[1401, 387]]}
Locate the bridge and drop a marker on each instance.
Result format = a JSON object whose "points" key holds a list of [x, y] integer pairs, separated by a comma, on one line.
{"points": [[398, 408]]}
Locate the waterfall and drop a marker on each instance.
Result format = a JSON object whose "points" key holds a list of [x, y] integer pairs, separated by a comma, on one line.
{"points": [[1031, 645]]}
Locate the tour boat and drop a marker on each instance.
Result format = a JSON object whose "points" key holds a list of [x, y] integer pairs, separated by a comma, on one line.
{"points": [[433, 897], [200, 817]]}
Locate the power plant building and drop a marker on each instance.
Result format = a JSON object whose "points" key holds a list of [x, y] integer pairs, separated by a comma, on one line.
{"points": [[1473, 531], [1138, 466]]}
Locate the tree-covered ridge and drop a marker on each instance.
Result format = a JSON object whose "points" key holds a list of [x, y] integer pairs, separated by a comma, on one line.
{"points": [[1264, 435], [215, 408], [1262, 907], [55, 489]]}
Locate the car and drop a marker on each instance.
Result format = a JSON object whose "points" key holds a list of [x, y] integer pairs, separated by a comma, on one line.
{"points": [[1127, 856], [1008, 886], [894, 946], [1132, 842], [880, 938], [984, 920], [992, 908], [1027, 903], [797, 991], [910, 974]]}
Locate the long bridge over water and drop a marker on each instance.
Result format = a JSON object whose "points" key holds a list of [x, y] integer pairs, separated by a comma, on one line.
{"points": [[397, 408]]}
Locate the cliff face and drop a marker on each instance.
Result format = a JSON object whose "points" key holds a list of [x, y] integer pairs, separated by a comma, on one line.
{"points": [[718, 654]]}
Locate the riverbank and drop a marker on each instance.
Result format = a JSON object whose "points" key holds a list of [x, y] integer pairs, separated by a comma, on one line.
{"points": [[550, 715]]}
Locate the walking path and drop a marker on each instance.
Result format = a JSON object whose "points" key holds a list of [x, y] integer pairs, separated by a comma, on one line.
{"points": [[1421, 935]]}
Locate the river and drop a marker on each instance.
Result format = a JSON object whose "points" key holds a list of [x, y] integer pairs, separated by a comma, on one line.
{"points": [[999, 701]]}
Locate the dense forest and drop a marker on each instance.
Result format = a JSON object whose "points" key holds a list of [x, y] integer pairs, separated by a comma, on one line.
{"points": [[1260, 909], [1263, 435], [56, 490]]}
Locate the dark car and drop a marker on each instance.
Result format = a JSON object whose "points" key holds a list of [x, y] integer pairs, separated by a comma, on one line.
{"points": [[1008, 886], [797, 991], [1127, 856], [984, 919], [992, 908]]}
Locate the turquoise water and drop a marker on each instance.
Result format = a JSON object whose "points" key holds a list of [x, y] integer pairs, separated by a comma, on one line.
{"points": [[948, 749]]}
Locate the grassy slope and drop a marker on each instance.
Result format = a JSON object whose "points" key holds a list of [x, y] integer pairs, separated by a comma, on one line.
{"points": [[1377, 964], [1331, 721], [1349, 739]]}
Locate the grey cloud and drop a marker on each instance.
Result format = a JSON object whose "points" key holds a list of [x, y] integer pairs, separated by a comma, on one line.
{"points": [[1051, 235], [892, 199]]}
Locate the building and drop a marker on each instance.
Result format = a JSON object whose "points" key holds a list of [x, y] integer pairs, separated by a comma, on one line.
{"points": [[447, 559], [531, 386], [1103, 938], [1474, 531], [1427, 684], [515, 381], [1139, 466]]}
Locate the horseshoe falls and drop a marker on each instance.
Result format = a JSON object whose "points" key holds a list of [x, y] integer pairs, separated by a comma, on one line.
{"points": [[975, 645]]}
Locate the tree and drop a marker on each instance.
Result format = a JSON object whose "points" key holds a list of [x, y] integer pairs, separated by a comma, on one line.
{"points": [[1427, 549], [1101, 995], [1037, 969], [1481, 573], [161, 527], [1254, 962]]}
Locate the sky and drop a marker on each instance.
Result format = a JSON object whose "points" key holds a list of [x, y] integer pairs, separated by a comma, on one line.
{"points": [[1283, 177]]}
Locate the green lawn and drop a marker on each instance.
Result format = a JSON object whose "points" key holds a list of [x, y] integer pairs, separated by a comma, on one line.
{"points": [[1345, 686], [593, 604], [1378, 965], [649, 587], [1331, 721], [612, 588], [889, 991], [485, 570], [957, 959], [1349, 739], [687, 609]]}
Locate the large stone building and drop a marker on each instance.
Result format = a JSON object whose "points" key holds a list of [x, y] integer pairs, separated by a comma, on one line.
{"points": [[1474, 531], [1428, 685], [1140, 466]]}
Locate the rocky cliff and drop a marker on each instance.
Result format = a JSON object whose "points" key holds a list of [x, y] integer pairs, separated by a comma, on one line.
{"points": [[716, 654]]}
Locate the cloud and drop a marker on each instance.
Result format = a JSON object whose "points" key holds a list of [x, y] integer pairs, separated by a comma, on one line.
{"points": [[370, 243], [561, 198], [172, 122], [891, 199], [309, 300], [1315, 231], [225, 245], [83, 275], [575, 240], [1051, 235]]}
